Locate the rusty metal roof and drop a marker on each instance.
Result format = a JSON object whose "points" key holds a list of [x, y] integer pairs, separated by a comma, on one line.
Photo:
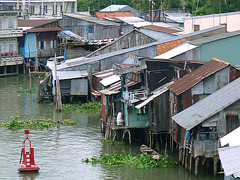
{"points": [[115, 88], [191, 79], [160, 29], [34, 23], [101, 15], [209, 106], [44, 30]]}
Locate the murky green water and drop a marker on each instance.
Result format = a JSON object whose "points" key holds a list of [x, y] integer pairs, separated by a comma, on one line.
{"points": [[59, 151]]}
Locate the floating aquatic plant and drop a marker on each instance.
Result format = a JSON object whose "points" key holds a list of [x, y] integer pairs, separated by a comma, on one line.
{"points": [[37, 123], [105, 140], [86, 107], [21, 90], [141, 161]]}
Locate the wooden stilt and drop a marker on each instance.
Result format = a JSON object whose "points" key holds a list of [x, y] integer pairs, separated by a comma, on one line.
{"points": [[123, 135], [215, 161], [186, 159], [166, 145], [196, 166], [30, 80], [180, 155], [129, 134], [17, 71], [150, 144], [114, 136], [183, 159], [190, 163]]}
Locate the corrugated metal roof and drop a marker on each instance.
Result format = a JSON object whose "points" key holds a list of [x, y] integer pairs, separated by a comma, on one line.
{"points": [[82, 60], [102, 15], [231, 138], [112, 8], [115, 88], [104, 74], [180, 61], [43, 30], [177, 51], [230, 159], [110, 80], [193, 78], [107, 92], [69, 35], [208, 106], [34, 23], [157, 92], [160, 29], [70, 74], [91, 19], [205, 40]]}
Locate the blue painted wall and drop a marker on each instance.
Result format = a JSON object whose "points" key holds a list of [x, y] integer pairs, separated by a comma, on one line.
{"points": [[227, 49], [134, 118], [31, 45]]}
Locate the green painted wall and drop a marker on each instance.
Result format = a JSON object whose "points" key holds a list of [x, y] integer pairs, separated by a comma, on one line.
{"points": [[227, 49], [133, 118]]}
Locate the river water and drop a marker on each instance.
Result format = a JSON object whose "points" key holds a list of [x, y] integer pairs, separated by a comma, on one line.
{"points": [[59, 151]]}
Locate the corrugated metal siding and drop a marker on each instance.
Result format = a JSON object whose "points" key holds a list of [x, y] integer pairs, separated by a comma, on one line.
{"points": [[65, 86], [208, 106], [207, 148], [230, 159], [198, 75], [79, 87]]}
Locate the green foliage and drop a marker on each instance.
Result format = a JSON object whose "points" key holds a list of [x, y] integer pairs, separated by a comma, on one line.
{"points": [[86, 107], [37, 123], [204, 6], [21, 90], [140, 161], [111, 141]]}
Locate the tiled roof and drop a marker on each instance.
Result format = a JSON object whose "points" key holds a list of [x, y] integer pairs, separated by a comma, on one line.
{"points": [[191, 79], [113, 14], [44, 30], [34, 23], [160, 29]]}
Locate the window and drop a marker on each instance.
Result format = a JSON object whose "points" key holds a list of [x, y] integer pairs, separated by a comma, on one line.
{"points": [[53, 9], [196, 28], [42, 45], [56, 10], [51, 44], [61, 8], [44, 9], [40, 10], [0, 48], [32, 10], [11, 47], [90, 29], [0, 22], [10, 22], [55, 44]]}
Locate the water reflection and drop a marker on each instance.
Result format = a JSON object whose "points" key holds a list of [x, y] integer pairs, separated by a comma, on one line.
{"points": [[28, 176], [59, 151]]}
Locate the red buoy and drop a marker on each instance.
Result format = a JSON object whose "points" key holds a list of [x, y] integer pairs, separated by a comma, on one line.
{"points": [[27, 158]]}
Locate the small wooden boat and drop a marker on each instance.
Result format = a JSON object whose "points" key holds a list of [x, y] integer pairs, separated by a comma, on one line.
{"points": [[146, 150]]}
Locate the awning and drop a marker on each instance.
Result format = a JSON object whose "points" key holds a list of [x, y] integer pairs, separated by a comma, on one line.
{"points": [[110, 80], [69, 35], [157, 92]]}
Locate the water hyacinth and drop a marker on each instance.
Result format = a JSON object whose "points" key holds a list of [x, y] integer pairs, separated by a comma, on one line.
{"points": [[86, 107], [37, 123], [21, 90], [140, 161]]}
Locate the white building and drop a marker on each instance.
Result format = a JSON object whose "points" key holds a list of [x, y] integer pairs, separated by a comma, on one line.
{"points": [[43, 7]]}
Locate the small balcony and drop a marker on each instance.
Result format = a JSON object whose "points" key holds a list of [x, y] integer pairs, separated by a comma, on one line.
{"points": [[11, 60], [135, 96]]}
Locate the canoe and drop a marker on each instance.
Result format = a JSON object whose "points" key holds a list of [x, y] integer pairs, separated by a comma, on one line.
{"points": [[146, 150]]}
